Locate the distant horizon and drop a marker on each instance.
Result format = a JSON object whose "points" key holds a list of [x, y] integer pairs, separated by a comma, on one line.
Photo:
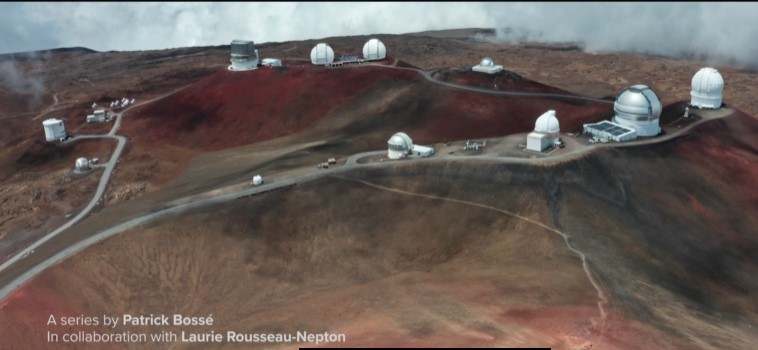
{"points": [[230, 40], [721, 31]]}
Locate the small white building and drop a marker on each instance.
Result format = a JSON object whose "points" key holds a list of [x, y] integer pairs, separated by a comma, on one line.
{"points": [[610, 131], [545, 134], [244, 55], [707, 89], [422, 151], [374, 49], [487, 65], [98, 117], [271, 62], [400, 146], [322, 54], [54, 129], [639, 108]]}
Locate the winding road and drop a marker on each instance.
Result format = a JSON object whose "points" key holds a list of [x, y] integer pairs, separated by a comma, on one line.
{"points": [[11, 279], [110, 166]]}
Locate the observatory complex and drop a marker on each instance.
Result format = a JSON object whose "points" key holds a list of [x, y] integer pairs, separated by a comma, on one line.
{"points": [[638, 112], [54, 129], [323, 55], [400, 146], [545, 133], [487, 65], [244, 55], [374, 50], [707, 89]]}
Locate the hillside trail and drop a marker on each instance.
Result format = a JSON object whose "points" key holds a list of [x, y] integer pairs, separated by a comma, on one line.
{"points": [[596, 323]]}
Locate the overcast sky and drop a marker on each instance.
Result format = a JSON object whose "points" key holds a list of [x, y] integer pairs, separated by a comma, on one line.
{"points": [[721, 30]]}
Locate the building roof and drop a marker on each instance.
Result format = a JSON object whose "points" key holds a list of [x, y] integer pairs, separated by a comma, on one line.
{"points": [[401, 139], [547, 123], [612, 129], [708, 82]]}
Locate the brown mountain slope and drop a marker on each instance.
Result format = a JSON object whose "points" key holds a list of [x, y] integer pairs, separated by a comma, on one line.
{"points": [[429, 255]]}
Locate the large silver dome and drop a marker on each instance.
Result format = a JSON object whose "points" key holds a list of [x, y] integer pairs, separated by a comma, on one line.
{"points": [[487, 62], [637, 102], [400, 142], [322, 53], [374, 49], [82, 164]]}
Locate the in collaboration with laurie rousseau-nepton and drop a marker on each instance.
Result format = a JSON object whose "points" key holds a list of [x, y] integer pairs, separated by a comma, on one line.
{"points": [[66, 335]]}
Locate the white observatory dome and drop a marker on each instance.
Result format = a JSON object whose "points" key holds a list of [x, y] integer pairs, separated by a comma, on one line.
{"points": [[322, 54], [638, 107], [547, 123], [487, 62], [82, 164], [399, 145], [707, 89], [374, 49]]}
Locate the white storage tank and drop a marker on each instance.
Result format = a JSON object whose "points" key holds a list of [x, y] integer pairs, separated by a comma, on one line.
{"points": [[82, 164], [54, 129], [257, 180], [322, 54], [374, 49]]}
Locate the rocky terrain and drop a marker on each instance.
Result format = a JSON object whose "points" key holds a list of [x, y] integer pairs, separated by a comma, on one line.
{"points": [[453, 254]]}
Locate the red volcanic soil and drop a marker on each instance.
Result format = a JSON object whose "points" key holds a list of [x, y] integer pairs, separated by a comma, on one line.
{"points": [[229, 109], [38, 155], [732, 142], [471, 115], [26, 314]]}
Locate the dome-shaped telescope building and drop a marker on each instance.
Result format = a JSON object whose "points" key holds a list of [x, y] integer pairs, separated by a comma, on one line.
{"points": [[638, 107], [244, 55], [322, 54], [374, 49], [399, 146], [487, 65], [707, 89], [545, 134], [82, 164]]}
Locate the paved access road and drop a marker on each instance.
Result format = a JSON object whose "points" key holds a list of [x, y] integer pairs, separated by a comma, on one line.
{"points": [[11, 279]]}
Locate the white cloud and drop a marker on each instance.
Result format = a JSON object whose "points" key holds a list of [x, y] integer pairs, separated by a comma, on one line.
{"points": [[723, 30]]}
